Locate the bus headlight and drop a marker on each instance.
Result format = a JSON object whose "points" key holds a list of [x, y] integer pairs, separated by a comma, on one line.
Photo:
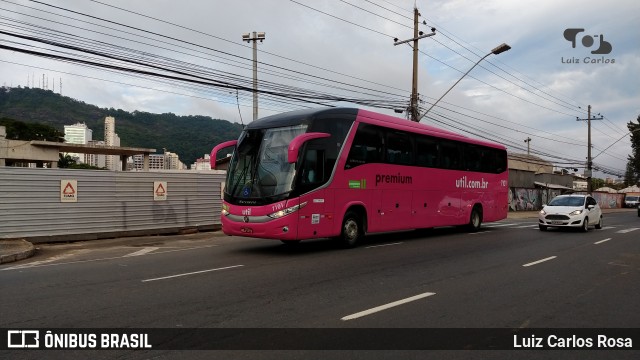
{"points": [[287, 211], [225, 209]]}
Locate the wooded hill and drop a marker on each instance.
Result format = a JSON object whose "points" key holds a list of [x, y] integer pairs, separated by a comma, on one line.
{"points": [[188, 136]]}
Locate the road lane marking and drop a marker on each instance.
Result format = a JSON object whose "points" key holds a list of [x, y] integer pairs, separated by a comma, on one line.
{"points": [[540, 261], [375, 246], [387, 306], [601, 241], [627, 230], [41, 264], [479, 232], [526, 226], [498, 225], [608, 228], [191, 273], [142, 251]]}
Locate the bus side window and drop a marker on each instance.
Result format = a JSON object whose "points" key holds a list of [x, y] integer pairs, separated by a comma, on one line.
{"points": [[426, 152], [450, 155], [399, 148], [472, 158], [312, 168], [366, 148]]}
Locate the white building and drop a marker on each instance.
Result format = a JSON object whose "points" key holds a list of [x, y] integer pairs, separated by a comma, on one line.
{"points": [[172, 161], [156, 162], [111, 139], [98, 160], [78, 134], [202, 163]]}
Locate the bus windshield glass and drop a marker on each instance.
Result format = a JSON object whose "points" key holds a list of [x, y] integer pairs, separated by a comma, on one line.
{"points": [[259, 168]]}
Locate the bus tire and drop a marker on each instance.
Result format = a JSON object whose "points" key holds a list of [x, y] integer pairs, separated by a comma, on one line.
{"points": [[475, 220], [352, 230]]}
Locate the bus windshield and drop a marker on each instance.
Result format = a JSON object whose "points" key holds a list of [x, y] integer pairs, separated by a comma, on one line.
{"points": [[259, 168]]}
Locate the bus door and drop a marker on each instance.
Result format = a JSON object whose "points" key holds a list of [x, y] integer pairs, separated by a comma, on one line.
{"points": [[314, 219]]}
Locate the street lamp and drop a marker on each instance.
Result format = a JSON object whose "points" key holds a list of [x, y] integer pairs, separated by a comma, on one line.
{"points": [[497, 50]]}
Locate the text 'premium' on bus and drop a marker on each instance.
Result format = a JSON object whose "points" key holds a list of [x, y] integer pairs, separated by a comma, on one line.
{"points": [[343, 172]]}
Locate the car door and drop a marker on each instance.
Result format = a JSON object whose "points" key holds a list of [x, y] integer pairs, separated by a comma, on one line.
{"points": [[595, 213]]}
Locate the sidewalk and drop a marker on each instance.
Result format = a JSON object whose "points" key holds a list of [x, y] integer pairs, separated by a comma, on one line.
{"points": [[14, 250]]}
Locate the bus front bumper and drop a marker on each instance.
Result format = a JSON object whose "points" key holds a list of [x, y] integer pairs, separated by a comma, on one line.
{"points": [[283, 228]]}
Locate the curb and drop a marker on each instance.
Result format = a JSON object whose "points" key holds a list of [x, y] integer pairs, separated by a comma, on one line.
{"points": [[14, 250]]}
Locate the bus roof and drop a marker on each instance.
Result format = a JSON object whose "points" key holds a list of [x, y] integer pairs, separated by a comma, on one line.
{"points": [[302, 117], [308, 115]]}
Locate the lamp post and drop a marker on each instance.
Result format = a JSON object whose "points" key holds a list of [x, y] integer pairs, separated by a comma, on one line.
{"points": [[497, 50]]}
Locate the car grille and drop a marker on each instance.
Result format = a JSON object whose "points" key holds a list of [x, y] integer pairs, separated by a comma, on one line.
{"points": [[557, 217]]}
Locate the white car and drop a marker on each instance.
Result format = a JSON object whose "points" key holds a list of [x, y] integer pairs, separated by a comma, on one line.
{"points": [[578, 211]]}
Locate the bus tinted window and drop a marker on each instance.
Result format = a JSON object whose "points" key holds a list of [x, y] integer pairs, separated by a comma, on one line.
{"points": [[367, 146], [399, 148], [426, 151], [450, 155], [474, 157]]}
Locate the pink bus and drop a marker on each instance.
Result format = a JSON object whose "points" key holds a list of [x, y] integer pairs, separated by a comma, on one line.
{"points": [[342, 173]]}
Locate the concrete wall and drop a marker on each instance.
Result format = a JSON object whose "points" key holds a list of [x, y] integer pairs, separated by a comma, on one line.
{"points": [[109, 204], [526, 199]]}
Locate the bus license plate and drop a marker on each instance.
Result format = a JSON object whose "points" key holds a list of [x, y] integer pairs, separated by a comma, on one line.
{"points": [[246, 230]]}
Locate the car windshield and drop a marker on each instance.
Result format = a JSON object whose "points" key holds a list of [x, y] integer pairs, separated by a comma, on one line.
{"points": [[567, 201]]}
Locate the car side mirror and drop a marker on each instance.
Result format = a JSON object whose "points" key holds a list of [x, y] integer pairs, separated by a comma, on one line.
{"points": [[590, 207]]}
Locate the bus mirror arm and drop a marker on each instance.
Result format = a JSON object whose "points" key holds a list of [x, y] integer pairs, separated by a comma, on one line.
{"points": [[298, 141], [214, 152]]}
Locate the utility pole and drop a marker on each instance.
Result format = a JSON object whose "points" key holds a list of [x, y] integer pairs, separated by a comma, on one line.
{"points": [[589, 171], [528, 140], [248, 38], [417, 35], [414, 83]]}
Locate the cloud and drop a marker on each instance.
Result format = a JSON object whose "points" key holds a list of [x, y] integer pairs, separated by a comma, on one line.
{"points": [[343, 47]]}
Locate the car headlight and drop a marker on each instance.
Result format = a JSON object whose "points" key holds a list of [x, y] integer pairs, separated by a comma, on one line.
{"points": [[577, 212], [542, 212], [287, 211]]}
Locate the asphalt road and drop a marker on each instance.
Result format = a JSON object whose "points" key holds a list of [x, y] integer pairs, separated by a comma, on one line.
{"points": [[509, 275]]}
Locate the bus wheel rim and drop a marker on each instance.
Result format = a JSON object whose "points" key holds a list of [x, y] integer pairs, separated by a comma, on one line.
{"points": [[351, 229]]}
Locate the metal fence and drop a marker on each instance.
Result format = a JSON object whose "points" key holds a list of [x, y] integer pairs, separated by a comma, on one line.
{"points": [[63, 204]]}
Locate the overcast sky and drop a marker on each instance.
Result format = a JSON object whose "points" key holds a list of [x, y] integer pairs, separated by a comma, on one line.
{"points": [[346, 49]]}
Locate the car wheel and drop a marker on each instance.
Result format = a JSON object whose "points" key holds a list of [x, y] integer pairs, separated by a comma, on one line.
{"points": [[599, 224], [585, 224], [542, 228], [351, 230]]}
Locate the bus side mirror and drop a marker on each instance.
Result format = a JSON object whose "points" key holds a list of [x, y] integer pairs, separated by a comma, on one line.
{"points": [[214, 152], [298, 141]]}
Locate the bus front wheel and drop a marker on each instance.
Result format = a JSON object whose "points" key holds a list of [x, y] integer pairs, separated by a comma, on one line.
{"points": [[351, 230]]}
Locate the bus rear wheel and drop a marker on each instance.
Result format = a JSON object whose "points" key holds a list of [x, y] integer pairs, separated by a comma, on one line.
{"points": [[351, 230], [475, 220]]}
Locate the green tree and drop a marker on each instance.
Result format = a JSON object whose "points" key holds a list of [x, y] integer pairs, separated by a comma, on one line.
{"points": [[632, 174], [18, 130], [66, 161]]}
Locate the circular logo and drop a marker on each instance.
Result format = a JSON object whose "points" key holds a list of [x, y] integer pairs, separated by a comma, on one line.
{"points": [[246, 219]]}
